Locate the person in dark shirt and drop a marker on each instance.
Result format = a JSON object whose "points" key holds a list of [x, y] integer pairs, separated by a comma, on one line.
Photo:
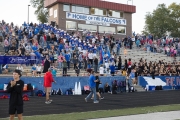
{"points": [[107, 88], [15, 88], [53, 37], [97, 87], [77, 69], [22, 50], [95, 64], [41, 50], [12, 49]]}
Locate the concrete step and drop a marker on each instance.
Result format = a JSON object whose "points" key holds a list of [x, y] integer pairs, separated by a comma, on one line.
{"points": [[42, 74], [29, 70], [139, 88]]}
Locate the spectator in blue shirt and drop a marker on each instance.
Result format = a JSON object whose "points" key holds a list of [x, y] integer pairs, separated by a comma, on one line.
{"points": [[33, 70], [118, 45], [68, 58], [54, 71], [132, 77], [112, 67], [92, 85]]}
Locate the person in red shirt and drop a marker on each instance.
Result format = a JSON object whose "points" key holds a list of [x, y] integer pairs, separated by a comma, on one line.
{"points": [[48, 79], [129, 65]]}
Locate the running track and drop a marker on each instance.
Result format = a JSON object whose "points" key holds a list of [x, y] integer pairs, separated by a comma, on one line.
{"points": [[69, 104]]}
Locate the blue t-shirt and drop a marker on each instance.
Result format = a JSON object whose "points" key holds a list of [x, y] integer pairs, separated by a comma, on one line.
{"points": [[112, 67], [33, 68], [72, 41], [91, 81], [67, 57], [61, 46], [105, 59], [61, 34], [94, 50], [54, 72], [90, 49], [77, 42], [89, 66], [85, 47], [132, 75]]}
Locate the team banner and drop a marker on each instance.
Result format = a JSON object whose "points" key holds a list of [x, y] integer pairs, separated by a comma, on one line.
{"points": [[18, 60], [91, 18]]}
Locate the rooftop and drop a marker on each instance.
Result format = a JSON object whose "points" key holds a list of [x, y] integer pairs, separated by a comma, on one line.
{"points": [[94, 3]]}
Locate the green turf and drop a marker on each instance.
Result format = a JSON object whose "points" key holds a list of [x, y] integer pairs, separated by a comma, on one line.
{"points": [[104, 113]]}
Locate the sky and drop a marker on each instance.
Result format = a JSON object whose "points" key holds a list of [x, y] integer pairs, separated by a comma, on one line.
{"points": [[17, 11]]}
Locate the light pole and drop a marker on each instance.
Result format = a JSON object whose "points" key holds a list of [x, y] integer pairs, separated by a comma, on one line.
{"points": [[130, 0], [28, 14]]}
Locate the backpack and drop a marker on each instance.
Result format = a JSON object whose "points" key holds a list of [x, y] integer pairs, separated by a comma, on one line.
{"points": [[131, 89], [29, 86], [53, 92], [69, 92], [86, 90], [40, 93], [59, 92]]}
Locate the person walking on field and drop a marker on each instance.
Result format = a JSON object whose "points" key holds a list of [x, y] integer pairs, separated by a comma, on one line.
{"points": [[97, 87], [15, 88], [92, 84], [48, 79]]}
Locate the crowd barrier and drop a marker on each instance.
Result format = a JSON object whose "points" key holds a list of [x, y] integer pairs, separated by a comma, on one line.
{"points": [[167, 82], [62, 82]]}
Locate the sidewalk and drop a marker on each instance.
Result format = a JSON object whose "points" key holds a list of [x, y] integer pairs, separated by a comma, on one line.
{"points": [[173, 115]]}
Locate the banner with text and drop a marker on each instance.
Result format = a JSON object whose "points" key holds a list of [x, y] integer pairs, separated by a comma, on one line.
{"points": [[91, 18], [97, 23], [18, 60]]}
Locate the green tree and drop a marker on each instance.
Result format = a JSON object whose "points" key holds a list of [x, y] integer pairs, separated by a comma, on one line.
{"points": [[157, 22], [41, 12], [175, 19], [144, 32]]}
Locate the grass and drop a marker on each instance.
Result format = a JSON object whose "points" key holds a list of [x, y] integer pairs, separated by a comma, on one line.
{"points": [[104, 113]]}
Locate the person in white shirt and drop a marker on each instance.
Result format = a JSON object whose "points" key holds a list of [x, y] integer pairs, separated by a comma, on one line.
{"points": [[19, 67], [79, 48], [101, 70], [94, 55], [28, 48], [39, 69], [90, 57], [84, 52], [93, 40], [5, 69], [107, 66], [102, 40], [25, 39]]}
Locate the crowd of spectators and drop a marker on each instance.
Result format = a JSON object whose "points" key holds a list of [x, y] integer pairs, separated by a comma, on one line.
{"points": [[166, 45], [60, 49]]}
